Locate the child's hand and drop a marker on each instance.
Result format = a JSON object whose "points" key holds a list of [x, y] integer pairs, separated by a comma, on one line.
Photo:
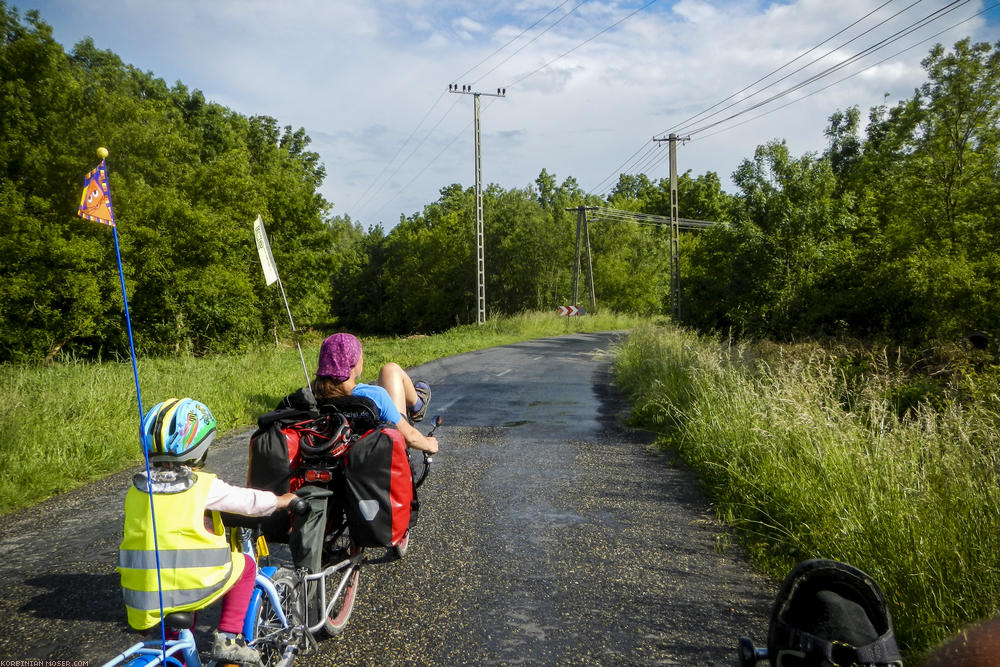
{"points": [[284, 500]]}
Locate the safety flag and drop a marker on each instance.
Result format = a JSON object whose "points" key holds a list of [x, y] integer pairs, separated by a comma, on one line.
{"points": [[264, 251], [95, 203]]}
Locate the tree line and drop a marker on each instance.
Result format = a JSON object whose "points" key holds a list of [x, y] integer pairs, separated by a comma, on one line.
{"points": [[887, 232]]}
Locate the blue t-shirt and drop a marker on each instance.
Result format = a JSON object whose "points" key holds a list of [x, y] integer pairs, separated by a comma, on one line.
{"points": [[386, 408]]}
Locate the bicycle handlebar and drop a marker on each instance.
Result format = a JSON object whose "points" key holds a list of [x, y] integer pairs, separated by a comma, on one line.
{"points": [[437, 422], [299, 506], [428, 457]]}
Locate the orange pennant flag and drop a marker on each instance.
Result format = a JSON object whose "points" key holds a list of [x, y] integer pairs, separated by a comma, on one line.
{"points": [[95, 203]]}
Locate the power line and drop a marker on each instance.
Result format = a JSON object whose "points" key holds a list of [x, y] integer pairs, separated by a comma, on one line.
{"points": [[415, 148], [398, 151], [532, 40], [433, 160], [660, 159], [683, 124], [851, 76], [514, 39], [844, 63], [645, 146], [619, 215], [584, 42], [434, 105], [590, 39]]}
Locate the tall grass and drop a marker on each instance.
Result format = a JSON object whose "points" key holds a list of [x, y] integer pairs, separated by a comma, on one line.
{"points": [[72, 422], [802, 473]]}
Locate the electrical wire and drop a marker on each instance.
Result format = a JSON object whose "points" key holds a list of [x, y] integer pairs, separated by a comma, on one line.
{"points": [[398, 151], [432, 161], [645, 146], [679, 128], [851, 76], [923, 22], [583, 43], [364, 198], [619, 215], [590, 39], [415, 148], [956, 4], [531, 41], [514, 39]]}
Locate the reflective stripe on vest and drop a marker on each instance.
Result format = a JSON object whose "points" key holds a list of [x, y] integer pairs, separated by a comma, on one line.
{"points": [[146, 560], [151, 599], [197, 566]]}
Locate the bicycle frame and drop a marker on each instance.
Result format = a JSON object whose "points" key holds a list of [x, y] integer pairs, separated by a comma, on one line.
{"points": [[326, 603], [183, 650], [150, 652]]}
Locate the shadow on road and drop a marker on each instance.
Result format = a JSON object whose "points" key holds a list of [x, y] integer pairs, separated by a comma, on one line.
{"points": [[76, 597]]}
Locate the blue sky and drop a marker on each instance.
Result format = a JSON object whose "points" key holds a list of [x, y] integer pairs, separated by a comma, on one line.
{"points": [[588, 86]]}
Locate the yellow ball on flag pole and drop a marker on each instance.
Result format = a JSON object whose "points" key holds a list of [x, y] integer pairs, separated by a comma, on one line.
{"points": [[102, 152]]}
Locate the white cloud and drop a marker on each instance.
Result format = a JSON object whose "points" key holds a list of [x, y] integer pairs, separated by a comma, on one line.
{"points": [[466, 28], [695, 11]]}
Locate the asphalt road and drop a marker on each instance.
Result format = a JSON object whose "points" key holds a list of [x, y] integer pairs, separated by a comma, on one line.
{"points": [[549, 534]]}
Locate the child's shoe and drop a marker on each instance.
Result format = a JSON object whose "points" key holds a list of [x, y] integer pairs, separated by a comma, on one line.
{"points": [[228, 648]]}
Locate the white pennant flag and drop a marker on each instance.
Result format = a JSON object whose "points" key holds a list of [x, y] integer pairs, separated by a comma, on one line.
{"points": [[264, 250]]}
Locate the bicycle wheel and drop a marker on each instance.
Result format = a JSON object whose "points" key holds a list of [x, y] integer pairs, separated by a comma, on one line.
{"points": [[335, 620], [270, 635], [400, 549]]}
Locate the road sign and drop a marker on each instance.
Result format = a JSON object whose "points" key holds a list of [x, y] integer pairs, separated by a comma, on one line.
{"points": [[570, 311]]}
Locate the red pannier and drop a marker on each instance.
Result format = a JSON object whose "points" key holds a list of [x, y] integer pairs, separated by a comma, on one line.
{"points": [[379, 488], [281, 439]]}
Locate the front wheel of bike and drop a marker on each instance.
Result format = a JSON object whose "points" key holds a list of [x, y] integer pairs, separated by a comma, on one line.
{"points": [[269, 635]]}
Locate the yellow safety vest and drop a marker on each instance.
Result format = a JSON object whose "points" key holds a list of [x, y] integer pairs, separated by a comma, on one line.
{"points": [[197, 567]]}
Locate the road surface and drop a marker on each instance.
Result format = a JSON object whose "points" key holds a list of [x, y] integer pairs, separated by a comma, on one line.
{"points": [[549, 534]]}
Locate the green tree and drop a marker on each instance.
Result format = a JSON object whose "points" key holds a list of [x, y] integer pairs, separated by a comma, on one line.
{"points": [[187, 179]]}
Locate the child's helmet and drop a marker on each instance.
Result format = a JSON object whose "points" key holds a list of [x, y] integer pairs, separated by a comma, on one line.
{"points": [[178, 431]]}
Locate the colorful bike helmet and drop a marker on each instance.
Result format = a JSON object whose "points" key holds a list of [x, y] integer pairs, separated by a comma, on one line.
{"points": [[178, 431]]}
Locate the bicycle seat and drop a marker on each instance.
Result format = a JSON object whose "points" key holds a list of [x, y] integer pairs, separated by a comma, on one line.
{"points": [[179, 620]]}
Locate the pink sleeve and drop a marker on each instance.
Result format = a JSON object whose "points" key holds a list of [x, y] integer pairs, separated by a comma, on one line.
{"points": [[225, 497]]}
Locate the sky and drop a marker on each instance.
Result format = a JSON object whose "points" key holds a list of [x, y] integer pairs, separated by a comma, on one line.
{"points": [[588, 83]]}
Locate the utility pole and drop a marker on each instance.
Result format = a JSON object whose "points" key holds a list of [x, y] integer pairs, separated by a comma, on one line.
{"points": [[582, 225], [480, 263], [675, 269]]}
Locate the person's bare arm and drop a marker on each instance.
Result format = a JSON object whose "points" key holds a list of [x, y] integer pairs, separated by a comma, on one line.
{"points": [[415, 438]]}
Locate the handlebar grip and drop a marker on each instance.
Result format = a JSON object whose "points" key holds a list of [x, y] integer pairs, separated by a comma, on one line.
{"points": [[299, 506]]}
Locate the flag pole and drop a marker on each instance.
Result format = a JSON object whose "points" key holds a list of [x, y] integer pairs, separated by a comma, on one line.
{"points": [[271, 276], [108, 217]]}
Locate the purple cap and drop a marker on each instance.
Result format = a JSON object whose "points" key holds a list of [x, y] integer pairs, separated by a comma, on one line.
{"points": [[338, 355]]}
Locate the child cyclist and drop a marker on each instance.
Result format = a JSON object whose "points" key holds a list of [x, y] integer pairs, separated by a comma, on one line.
{"points": [[196, 563]]}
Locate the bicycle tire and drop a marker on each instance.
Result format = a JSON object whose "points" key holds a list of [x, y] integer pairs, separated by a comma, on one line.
{"points": [[399, 550], [336, 619], [266, 621]]}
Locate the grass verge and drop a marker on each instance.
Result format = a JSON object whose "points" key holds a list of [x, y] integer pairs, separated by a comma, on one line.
{"points": [[70, 423], [801, 472]]}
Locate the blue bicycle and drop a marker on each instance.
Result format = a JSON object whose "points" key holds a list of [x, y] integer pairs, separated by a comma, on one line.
{"points": [[275, 623]]}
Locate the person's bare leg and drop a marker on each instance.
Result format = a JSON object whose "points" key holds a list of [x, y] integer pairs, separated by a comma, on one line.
{"points": [[394, 380]]}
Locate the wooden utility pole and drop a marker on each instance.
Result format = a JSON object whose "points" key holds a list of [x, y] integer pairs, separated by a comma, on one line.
{"points": [[480, 263]]}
